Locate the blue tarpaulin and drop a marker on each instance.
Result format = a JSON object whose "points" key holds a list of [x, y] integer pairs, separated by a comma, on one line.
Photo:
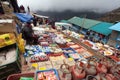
{"points": [[24, 17], [115, 27]]}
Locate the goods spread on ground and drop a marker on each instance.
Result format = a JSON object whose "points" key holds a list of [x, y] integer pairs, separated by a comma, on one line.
{"points": [[59, 57]]}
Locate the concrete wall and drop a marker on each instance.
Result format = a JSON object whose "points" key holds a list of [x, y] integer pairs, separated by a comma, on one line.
{"points": [[112, 39]]}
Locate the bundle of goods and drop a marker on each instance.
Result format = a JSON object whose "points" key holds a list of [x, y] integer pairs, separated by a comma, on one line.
{"points": [[75, 56], [75, 35], [88, 43], [46, 49], [38, 31], [99, 45], [68, 50], [98, 70], [70, 43], [115, 54], [64, 72], [68, 40], [78, 72], [54, 58], [39, 57], [67, 32], [51, 74], [74, 46], [93, 58], [44, 43], [56, 50], [80, 50], [57, 63], [45, 65], [47, 38], [31, 50], [55, 54], [53, 45], [86, 54], [52, 35], [69, 61], [107, 53], [60, 41]]}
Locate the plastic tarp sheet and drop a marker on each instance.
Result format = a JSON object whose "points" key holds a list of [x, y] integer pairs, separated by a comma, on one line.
{"points": [[115, 27], [83, 22], [24, 17], [102, 28], [64, 21]]}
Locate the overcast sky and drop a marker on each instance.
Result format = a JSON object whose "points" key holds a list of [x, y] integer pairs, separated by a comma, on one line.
{"points": [[75, 5]]}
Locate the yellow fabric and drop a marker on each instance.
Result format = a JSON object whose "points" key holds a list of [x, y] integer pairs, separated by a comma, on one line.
{"points": [[21, 43]]}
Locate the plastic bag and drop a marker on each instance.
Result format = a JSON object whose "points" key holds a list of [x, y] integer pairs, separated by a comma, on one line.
{"points": [[65, 73]]}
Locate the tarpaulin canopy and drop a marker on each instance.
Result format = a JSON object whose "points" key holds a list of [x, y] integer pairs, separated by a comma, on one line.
{"points": [[62, 24], [24, 17], [102, 28], [83, 22], [64, 21], [115, 27], [40, 16]]}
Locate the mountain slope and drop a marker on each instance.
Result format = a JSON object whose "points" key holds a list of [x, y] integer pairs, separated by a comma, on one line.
{"points": [[69, 14], [112, 16]]}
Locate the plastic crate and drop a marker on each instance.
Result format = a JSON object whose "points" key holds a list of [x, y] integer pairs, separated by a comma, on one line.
{"points": [[12, 67], [17, 76], [56, 73]]}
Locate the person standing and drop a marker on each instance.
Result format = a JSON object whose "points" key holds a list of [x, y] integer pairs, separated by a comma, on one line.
{"points": [[15, 5], [1, 9], [28, 9], [28, 33], [22, 9], [35, 21]]}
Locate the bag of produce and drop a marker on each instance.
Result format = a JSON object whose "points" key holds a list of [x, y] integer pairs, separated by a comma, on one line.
{"points": [[78, 71], [64, 72]]}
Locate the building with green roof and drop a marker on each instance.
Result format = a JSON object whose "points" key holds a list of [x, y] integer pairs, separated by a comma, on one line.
{"points": [[83, 22]]}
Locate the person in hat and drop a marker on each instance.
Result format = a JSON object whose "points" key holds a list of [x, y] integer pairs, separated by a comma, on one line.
{"points": [[27, 32]]}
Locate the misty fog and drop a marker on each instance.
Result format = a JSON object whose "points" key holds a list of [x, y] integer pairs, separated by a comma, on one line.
{"points": [[99, 6]]}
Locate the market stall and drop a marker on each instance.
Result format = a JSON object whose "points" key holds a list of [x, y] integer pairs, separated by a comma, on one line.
{"points": [[67, 56], [10, 61]]}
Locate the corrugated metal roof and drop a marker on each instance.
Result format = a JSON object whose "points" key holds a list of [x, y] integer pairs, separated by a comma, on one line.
{"points": [[83, 22], [115, 27], [102, 28]]}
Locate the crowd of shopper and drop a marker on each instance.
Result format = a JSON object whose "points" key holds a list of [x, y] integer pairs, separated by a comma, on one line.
{"points": [[95, 37]]}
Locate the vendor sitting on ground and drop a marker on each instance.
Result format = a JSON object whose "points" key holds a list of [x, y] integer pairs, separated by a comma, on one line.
{"points": [[27, 33]]}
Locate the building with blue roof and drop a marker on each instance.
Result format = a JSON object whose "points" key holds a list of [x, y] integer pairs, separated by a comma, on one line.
{"points": [[115, 35]]}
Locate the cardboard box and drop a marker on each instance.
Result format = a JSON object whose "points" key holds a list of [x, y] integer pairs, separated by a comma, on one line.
{"points": [[7, 28]]}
